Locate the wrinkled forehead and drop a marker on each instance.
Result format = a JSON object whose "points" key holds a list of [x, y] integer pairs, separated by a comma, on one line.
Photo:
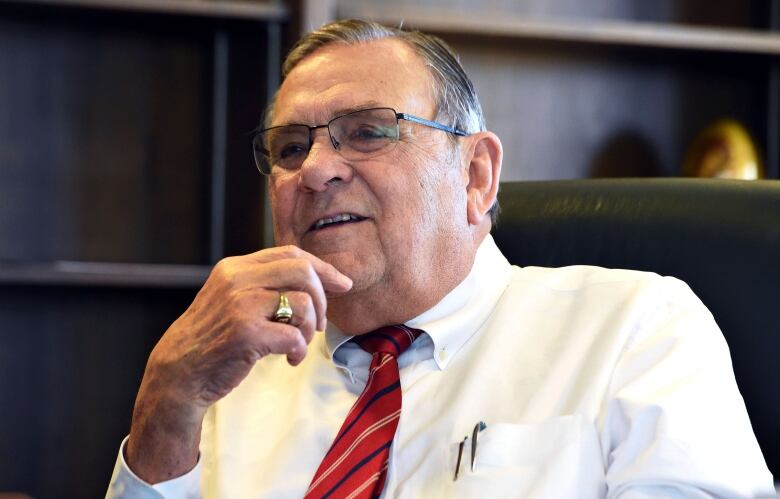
{"points": [[340, 78]]}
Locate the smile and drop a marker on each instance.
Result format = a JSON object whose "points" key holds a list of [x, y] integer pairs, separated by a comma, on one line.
{"points": [[338, 219]]}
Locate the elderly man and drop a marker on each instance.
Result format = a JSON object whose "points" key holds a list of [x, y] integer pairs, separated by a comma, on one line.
{"points": [[515, 382]]}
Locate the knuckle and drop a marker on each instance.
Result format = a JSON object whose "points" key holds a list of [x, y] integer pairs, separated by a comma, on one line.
{"points": [[300, 269], [223, 263], [290, 251], [224, 270], [307, 270]]}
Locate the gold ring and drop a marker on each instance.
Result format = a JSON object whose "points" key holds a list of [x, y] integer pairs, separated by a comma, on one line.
{"points": [[284, 311]]}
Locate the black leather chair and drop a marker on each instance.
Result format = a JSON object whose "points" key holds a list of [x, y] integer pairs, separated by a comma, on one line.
{"points": [[721, 237]]}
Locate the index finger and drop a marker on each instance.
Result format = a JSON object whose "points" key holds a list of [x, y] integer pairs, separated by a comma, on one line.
{"points": [[332, 280]]}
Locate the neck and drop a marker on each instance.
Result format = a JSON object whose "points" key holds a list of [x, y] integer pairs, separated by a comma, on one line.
{"points": [[387, 303], [360, 312]]}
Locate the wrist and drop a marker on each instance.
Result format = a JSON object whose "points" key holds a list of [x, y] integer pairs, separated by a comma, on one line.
{"points": [[164, 437]]}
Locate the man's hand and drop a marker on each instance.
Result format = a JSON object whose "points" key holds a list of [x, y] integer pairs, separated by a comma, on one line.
{"points": [[212, 347]]}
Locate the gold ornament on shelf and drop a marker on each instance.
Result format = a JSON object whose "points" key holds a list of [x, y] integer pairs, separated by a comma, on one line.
{"points": [[724, 149]]}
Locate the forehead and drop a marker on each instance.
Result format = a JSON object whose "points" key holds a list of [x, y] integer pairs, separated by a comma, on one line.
{"points": [[339, 78]]}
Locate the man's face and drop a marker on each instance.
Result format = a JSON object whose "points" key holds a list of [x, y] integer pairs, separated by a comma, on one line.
{"points": [[411, 200]]}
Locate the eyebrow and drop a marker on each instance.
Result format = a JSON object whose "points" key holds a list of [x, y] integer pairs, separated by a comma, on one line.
{"points": [[341, 111], [366, 105]]}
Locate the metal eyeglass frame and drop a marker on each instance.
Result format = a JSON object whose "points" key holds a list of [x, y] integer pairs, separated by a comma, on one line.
{"points": [[335, 143]]}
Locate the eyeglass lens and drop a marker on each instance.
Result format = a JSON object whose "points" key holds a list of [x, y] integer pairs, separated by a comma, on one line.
{"points": [[357, 135]]}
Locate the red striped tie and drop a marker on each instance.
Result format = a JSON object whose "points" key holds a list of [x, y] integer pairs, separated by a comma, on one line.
{"points": [[356, 464]]}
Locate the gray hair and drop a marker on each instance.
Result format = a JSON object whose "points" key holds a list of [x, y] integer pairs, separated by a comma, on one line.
{"points": [[456, 100]]}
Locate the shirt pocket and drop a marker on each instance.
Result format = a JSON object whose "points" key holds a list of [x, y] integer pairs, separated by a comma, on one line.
{"points": [[560, 457]]}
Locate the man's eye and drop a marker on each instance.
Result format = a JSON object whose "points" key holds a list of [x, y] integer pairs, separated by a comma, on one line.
{"points": [[290, 151], [370, 132]]}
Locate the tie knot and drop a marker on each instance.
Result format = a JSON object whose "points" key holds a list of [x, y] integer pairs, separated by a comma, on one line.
{"points": [[390, 339]]}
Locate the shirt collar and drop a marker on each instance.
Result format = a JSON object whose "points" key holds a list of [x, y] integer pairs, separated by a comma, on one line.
{"points": [[460, 313]]}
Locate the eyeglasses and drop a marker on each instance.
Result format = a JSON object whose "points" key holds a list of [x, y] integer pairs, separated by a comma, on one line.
{"points": [[356, 136]]}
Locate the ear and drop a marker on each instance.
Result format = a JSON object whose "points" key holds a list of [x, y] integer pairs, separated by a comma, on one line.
{"points": [[484, 169]]}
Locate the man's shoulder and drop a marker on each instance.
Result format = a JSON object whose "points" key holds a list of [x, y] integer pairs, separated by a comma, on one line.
{"points": [[610, 285], [581, 276]]}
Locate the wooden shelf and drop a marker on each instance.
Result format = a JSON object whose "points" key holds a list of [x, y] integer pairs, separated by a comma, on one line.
{"points": [[604, 32], [68, 273], [231, 9]]}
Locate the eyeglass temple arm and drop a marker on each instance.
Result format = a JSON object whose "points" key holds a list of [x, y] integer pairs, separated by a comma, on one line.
{"points": [[432, 124]]}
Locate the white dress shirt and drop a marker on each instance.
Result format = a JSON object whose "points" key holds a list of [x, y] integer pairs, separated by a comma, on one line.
{"points": [[591, 382]]}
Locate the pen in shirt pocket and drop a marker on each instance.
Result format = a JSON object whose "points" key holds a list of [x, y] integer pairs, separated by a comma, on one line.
{"points": [[474, 444]]}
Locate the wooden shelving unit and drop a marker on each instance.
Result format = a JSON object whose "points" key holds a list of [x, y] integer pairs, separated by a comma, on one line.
{"points": [[125, 174], [221, 9], [120, 275], [602, 32]]}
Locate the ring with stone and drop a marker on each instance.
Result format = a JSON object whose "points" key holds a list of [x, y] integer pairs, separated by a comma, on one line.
{"points": [[284, 311]]}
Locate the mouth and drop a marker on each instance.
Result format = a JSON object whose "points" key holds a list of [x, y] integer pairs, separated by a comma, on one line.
{"points": [[336, 220]]}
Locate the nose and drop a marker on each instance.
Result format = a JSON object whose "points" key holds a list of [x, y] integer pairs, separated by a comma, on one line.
{"points": [[323, 166]]}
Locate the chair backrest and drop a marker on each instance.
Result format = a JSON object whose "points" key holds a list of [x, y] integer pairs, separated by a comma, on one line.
{"points": [[721, 237]]}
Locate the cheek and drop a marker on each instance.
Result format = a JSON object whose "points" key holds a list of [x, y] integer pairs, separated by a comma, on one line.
{"points": [[414, 183], [440, 180]]}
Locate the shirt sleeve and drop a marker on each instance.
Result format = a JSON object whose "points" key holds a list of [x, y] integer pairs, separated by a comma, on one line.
{"points": [[126, 485], [676, 424]]}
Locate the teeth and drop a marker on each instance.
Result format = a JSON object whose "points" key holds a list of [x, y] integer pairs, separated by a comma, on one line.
{"points": [[344, 217]]}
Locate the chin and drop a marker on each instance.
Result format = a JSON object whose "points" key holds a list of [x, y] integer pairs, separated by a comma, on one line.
{"points": [[362, 270]]}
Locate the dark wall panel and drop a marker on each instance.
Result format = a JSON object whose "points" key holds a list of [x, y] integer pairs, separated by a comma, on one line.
{"points": [[71, 360], [104, 138]]}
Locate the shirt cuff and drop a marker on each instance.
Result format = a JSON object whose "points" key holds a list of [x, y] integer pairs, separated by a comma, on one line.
{"points": [[126, 485]]}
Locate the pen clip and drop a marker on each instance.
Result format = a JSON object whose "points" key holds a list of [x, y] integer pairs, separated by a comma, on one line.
{"points": [[477, 428], [461, 445]]}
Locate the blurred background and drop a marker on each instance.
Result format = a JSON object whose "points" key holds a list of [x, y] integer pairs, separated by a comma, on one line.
{"points": [[126, 168]]}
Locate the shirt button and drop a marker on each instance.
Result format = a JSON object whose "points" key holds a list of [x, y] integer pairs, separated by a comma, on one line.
{"points": [[443, 354]]}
